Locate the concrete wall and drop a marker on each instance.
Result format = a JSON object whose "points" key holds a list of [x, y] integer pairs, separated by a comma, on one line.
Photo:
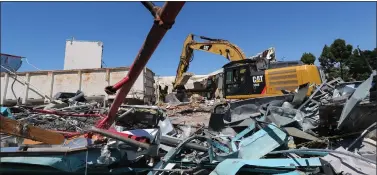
{"points": [[168, 81], [91, 81], [192, 83], [83, 54]]}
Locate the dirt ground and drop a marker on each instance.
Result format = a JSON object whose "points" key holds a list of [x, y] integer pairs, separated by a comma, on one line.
{"points": [[190, 114], [196, 118]]}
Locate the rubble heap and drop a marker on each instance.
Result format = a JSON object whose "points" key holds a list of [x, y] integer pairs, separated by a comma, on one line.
{"points": [[292, 133], [332, 131]]}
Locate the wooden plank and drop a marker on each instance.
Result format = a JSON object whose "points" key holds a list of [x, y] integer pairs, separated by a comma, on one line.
{"points": [[16, 128], [31, 142]]}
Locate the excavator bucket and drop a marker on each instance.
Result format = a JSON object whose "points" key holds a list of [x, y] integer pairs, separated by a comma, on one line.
{"points": [[179, 95], [175, 98], [172, 99]]}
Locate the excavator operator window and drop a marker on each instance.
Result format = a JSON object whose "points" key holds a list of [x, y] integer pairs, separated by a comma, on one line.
{"points": [[229, 77], [242, 75], [236, 75], [232, 81]]}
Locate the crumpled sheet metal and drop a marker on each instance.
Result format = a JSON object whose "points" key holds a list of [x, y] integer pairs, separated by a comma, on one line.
{"points": [[232, 166], [349, 165], [301, 94], [171, 154], [367, 149], [132, 152], [240, 110], [69, 165], [241, 135], [276, 109], [282, 116], [6, 112], [360, 118], [64, 162], [345, 89], [265, 140], [260, 101], [360, 93]]}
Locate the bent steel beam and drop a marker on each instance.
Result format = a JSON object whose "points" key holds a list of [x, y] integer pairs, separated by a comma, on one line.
{"points": [[163, 21]]}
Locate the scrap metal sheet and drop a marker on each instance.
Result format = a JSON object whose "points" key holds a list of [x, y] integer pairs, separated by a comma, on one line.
{"points": [[232, 166], [360, 93], [349, 165], [265, 141]]}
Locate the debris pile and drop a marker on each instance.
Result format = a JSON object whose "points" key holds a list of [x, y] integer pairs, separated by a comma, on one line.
{"points": [[317, 129], [292, 133]]}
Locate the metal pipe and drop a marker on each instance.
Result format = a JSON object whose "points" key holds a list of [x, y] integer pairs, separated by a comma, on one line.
{"points": [[77, 96], [162, 24], [125, 113], [151, 7], [171, 141], [366, 131], [119, 137]]}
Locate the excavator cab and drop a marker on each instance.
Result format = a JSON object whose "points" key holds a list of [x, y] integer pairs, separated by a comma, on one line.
{"points": [[246, 79], [242, 77]]}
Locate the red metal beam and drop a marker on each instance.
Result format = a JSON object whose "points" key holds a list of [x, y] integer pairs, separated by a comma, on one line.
{"points": [[164, 20]]}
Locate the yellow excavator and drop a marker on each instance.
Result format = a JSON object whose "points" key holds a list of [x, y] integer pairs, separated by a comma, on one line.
{"points": [[217, 46], [244, 77]]}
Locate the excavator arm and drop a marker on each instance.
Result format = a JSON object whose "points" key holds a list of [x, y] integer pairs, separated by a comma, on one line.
{"points": [[216, 46]]}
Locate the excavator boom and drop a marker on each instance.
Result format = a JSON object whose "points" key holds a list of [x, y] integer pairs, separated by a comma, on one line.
{"points": [[217, 46]]}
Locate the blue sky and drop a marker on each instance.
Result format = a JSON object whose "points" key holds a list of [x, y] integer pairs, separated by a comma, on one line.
{"points": [[38, 30]]}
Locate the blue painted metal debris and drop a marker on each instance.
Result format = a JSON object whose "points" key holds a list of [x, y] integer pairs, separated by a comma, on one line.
{"points": [[265, 140], [266, 166], [10, 63], [6, 112]]}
